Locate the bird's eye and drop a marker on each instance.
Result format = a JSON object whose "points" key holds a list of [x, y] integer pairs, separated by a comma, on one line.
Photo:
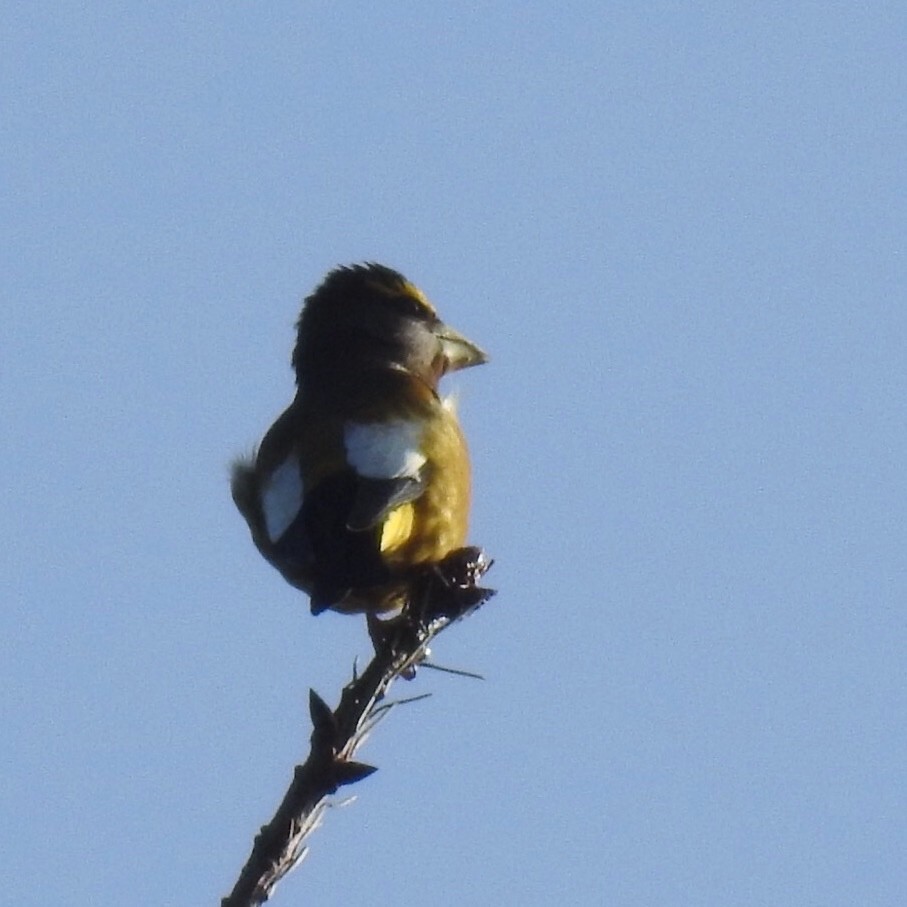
{"points": [[404, 304]]}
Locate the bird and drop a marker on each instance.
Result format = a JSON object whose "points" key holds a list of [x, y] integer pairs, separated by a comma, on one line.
{"points": [[363, 483]]}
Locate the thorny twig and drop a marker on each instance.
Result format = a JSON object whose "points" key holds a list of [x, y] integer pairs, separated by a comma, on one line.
{"points": [[445, 594]]}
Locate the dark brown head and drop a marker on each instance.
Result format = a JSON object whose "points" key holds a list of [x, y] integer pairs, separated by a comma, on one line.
{"points": [[368, 316]]}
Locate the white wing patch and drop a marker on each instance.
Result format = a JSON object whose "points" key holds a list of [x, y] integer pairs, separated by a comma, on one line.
{"points": [[384, 450], [281, 498]]}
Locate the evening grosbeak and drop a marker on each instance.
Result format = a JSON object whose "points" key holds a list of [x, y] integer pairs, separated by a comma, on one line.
{"points": [[364, 480]]}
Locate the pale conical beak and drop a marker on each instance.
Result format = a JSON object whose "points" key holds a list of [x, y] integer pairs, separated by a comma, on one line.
{"points": [[458, 351]]}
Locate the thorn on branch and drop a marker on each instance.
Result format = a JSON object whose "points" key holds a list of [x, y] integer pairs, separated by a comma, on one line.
{"points": [[350, 772], [324, 724]]}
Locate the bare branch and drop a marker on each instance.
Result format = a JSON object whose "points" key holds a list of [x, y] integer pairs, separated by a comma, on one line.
{"points": [[444, 594]]}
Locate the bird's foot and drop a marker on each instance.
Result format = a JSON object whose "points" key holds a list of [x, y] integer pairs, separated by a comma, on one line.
{"points": [[440, 594], [450, 589]]}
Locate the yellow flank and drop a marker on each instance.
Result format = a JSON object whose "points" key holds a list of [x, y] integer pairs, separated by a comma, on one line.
{"points": [[436, 522], [397, 528]]}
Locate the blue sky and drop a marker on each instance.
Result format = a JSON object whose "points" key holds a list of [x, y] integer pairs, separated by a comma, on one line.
{"points": [[678, 228]]}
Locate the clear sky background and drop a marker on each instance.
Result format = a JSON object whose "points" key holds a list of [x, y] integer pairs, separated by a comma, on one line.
{"points": [[679, 229]]}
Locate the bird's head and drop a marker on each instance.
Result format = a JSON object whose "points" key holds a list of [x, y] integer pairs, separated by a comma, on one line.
{"points": [[368, 316]]}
